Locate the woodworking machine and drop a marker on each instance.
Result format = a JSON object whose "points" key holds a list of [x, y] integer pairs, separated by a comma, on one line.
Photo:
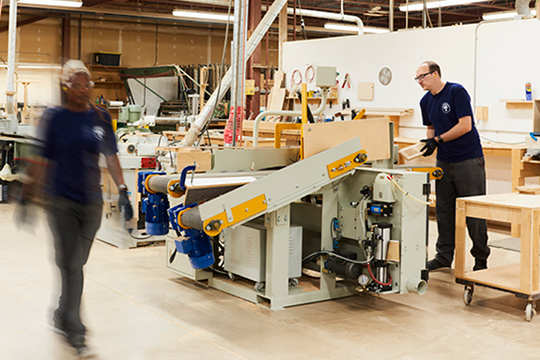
{"points": [[136, 152], [273, 230]]}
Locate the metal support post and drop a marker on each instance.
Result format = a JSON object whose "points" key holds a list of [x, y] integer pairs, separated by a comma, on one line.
{"points": [[277, 256], [329, 211], [10, 126]]}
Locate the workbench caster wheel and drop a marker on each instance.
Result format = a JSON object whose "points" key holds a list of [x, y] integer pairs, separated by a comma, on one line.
{"points": [[232, 276], [259, 287], [293, 282], [530, 311], [468, 294]]}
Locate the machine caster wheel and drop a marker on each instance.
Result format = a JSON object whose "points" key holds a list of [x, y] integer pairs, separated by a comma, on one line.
{"points": [[232, 276], [259, 287], [468, 294], [530, 311], [293, 282]]}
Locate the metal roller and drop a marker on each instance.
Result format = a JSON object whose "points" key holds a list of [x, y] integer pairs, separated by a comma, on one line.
{"points": [[159, 184], [192, 218]]}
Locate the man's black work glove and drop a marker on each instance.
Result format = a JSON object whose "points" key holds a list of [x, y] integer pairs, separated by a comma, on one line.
{"points": [[431, 145], [123, 202], [24, 216]]}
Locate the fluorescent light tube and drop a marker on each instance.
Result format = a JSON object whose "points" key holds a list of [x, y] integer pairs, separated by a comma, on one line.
{"points": [[202, 15], [62, 3], [341, 27], [375, 30], [418, 6], [354, 29], [37, 66], [503, 15]]}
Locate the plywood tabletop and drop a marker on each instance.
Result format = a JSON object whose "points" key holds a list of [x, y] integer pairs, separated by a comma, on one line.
{"points": [[511, 200]]}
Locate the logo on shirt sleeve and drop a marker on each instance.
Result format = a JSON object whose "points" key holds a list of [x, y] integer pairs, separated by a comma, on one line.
{"points": [[98, 132], [446, 108]]}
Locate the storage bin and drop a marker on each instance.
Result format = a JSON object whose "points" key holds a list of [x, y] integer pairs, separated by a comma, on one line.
{"points": [[107, 58]]}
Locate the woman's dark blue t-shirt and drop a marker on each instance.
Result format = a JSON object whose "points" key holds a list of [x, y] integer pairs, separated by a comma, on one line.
{"points": [[443, 112], [72, 142]]}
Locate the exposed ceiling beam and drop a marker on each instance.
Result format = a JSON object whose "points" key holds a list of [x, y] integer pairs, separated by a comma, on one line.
{"points": [[24, 22], [91, 3], [160, 10]]}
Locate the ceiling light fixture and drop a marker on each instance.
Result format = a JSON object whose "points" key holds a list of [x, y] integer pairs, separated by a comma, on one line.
{"points": [[37, 66], [418, 6], [354, 29], [202, 16], [503, 15], [34, 66], [60, 3]]}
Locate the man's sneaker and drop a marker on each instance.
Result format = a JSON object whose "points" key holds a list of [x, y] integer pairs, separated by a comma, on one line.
{"points": [[435, 264], [480, 265]]}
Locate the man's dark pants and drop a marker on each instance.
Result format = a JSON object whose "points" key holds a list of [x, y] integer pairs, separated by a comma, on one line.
{"points": [[461, 179], [73, 226]]}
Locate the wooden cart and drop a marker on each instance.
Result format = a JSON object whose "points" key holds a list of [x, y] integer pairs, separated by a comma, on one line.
{"points": [[522, 279]]}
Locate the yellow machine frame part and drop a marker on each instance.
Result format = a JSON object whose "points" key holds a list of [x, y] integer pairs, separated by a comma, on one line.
{"points": [[146, 184], [435, 173], [239, 212], [345, 164]]}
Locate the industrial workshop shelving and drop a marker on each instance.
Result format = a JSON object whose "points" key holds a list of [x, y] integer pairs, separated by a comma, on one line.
{"points": [[518, 104], [107, 82], [521, 279]]}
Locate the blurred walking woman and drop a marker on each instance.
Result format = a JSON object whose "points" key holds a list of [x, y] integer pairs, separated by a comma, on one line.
{"points": [[71, 138]]}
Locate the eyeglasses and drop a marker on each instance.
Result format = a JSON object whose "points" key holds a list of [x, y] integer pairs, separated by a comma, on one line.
{"points": [[422, 76], [77, 86]]}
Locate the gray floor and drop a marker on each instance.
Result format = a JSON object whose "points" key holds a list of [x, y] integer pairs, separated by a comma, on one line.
{"points": [[137, 309]]}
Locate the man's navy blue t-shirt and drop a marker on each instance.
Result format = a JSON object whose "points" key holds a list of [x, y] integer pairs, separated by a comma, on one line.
{"points": [[443, 112], [72, 142]]}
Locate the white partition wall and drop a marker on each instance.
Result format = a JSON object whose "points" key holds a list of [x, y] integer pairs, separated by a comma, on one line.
{"points": [[492, 60]]}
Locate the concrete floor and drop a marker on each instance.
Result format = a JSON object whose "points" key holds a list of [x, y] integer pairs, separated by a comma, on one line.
{"points": [[137, 309]]}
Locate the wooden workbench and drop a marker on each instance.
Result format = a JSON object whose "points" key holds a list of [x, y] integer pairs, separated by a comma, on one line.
{"points": [[522, 168], [521, 279], [392, 114]]}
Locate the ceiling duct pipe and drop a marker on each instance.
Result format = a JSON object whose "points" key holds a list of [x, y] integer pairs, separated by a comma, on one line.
{"points": [[330, 16], [251, 45], [303, 12]]}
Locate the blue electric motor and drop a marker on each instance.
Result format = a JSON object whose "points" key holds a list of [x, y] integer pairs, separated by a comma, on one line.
{"points": [[155, 207], [195, 243]]}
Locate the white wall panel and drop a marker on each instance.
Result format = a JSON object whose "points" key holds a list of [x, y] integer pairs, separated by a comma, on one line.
{"points": [[492, 60]]}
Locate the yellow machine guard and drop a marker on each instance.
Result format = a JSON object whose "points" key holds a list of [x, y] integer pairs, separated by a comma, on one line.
{"points": [[239, 212], [347, 163], [435, 173], [172, 193], [146, 184]]}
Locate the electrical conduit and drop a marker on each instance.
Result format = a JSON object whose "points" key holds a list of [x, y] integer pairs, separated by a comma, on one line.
{"points": [[253, 42], [330, 16], [12, 38], [285, 113]]}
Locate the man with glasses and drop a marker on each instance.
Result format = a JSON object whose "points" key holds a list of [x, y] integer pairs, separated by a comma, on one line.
{"points": [[447, 113]]}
